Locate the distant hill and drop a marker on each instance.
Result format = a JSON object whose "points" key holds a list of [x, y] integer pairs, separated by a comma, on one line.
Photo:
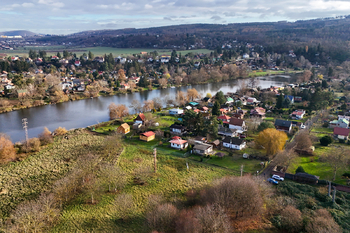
{"points": [[23, 33]]}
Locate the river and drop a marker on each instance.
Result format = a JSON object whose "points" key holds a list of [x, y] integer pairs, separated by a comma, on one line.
{"points": [[82, 113]]}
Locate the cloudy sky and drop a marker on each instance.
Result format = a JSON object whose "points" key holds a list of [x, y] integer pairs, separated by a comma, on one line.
{"points": [[69, 16]]}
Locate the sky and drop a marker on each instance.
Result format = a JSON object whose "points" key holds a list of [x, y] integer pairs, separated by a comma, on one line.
{"points": [[69, 16]]}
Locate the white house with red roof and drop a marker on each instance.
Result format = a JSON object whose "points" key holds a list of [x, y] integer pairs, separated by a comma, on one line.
{"points": [[77, 63], [178, 143], [135, 79], [298, 114], [341, 133], [224, 117]]}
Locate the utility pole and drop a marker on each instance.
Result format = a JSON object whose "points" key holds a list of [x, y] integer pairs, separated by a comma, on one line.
{"points": [[155, 159], [25, 127], [329, 188], [334, 192], [242, 170]]}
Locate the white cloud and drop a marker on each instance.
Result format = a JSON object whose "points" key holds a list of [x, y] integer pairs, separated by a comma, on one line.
{"points": [[148, 6]]}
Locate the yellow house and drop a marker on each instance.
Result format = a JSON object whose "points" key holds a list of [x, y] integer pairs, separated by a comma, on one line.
{"points": [[147, 136], [124, 128]]}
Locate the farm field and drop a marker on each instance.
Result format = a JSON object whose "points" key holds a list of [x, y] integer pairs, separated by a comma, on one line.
{"points": [[98, 51]]}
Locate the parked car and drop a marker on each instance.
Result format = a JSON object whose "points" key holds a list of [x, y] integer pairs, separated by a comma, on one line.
{"points": [[277, 177], [272, 181], [303, 126]]}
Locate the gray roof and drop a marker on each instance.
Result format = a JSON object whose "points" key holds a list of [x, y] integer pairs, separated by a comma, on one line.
{"points": [[283, 123], [233, 141], [202, 146]]}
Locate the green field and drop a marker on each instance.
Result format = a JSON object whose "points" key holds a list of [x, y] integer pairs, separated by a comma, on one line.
{"points": [[98, 51]]}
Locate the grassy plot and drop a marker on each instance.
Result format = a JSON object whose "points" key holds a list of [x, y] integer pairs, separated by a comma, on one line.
{"points": [[25, 180], [171, 180]]}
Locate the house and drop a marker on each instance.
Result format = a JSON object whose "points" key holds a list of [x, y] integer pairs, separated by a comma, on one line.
{"points": [[298, 114], [298, 99], [341, 133], [227, 132], [148, 136], [200, 139], [77, 63], [125, 86], [342, 123], [343, 117], [233, 143], [193, 104], [140, 119], [306, 178], [224, 117], [204, 109], [176, 111], [283, 125], [258, 112], [197, 63], [123, 129], [251, 101], [290, 97], [67, 85], [216, 143], [203, 149], [241, 100], [135, 79], [99, 59], [229, 100], [239, 113], [238, 124], [177, 129], [246, 56], [178, 143]]}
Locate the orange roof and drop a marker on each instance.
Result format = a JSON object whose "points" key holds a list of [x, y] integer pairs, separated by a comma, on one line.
{"points": [[224, 117], [176, 137], [148, 133], [196, 110]]}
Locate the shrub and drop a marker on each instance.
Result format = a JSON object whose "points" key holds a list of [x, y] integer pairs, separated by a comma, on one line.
{"points": [[7, 150], [45, 137], [326, 140], [300, 169], [322, 221], [186, 222], [60, 131], [162, 218], [291, 219]]}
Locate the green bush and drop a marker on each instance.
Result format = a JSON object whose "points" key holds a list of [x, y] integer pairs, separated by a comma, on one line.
{"points": [[300, 169], [326, 140]]}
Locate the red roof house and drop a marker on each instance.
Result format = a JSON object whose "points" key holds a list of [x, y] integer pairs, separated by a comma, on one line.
{"points": [[341, 133]]}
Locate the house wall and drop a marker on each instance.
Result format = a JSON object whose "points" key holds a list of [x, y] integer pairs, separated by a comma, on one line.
{"points": [[176, 130], [138, 122], [147, 139], [235, 127], [236, 147]]}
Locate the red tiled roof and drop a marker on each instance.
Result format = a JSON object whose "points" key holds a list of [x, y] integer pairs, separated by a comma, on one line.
{"points": [[175, 137], [178, 141], [141, 116], [341, 131], [236, 121], [148, 133], [224, 117]]}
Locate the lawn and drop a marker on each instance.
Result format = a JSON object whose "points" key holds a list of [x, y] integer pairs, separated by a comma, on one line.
{"points": [[99, 51], [322, 130]]}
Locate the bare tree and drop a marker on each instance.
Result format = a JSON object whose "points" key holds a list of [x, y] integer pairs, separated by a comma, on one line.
{"points": [[163, 82], [112, 176], [212, 219], [162, 218], [148, 105], [124, 205], [291, 219], [136, 106], [158, 103], [181, 98], [117, 111], [192, 94], [322, 221]]}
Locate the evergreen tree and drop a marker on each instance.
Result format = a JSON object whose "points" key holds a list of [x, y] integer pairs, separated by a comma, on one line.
{"points": [[213, 128], [279, 101], [216, 109]]}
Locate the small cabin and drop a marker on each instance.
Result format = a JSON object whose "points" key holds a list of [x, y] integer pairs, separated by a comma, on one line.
{"points": [[147, 136], [123, 129]]}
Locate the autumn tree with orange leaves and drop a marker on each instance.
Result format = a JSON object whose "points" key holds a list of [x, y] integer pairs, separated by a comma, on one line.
{"points": [[7, 150], [271, 140]]}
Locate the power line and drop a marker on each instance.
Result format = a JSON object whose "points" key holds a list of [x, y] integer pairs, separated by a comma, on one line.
{"points": [[25, 127]]}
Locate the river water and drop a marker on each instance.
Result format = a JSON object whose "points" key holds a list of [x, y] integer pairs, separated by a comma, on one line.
{"points": [[82, 113]]}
